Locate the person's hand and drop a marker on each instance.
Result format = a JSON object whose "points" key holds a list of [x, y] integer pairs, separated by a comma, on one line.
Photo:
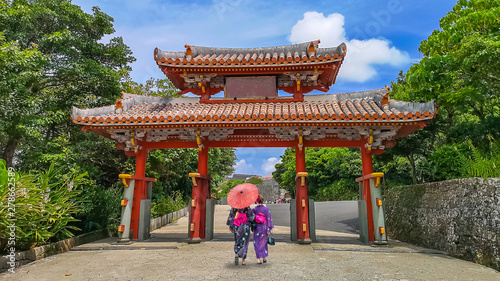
{"points": [[232, 230]]}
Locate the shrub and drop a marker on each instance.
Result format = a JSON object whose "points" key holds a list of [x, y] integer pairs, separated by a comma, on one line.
{"points": [[483, 164], [165, 205], [344, 189], [447, 160], [101, 207], [255, 180], [45, 203], [225, 187]]}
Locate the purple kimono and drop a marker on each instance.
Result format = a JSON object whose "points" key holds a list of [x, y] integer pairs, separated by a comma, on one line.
{"points": [[261, 231], [241, 230]]}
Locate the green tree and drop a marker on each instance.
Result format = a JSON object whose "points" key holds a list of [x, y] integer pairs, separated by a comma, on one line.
{"points": [[332, 172], [20, 72], [152, 87], [460, 68], [286, 170], [172, 166], [226, 186], [65, 61], [82, 70], [255, 180]]}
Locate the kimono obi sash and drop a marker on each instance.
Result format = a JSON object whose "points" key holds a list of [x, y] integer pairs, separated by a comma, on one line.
{"points": [[240, 219], [260, 218]]}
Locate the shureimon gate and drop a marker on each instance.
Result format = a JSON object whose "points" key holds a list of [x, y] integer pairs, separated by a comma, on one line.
{"points": [[252, 114]]}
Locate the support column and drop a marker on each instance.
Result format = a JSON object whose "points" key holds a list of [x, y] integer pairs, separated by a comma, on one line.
{"points": [[140, 189], [366, 160], [301, 199], [201, 192]]}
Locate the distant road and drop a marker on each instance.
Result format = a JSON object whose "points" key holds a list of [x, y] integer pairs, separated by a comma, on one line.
{"points": [[339, 216]]}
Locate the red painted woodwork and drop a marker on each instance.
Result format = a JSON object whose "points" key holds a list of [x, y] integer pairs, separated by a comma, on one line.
{"points": [[200, 193], [140, 189], [301, 194], [280, 99], [167, 145], [254, 143], [330, 70], [366, 160]]}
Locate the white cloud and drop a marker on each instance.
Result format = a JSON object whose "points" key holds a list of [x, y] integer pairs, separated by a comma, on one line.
{"points": [[242, 167], [268, 165], [147, 24], [362, 55]]}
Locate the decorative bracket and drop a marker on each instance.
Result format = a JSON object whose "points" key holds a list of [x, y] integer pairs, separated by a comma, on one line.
{"points": [[124, 178], [370, 139], [298, 82], [193, 177], [302, 176], [376, 176], [198, 140], [301, 139]]}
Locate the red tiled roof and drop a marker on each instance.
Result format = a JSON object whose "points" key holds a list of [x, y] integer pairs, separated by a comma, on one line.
{"points": [[350, 107], [303, 53]]}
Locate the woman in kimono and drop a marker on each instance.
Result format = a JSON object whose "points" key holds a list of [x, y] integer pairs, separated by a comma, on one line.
{"points": [[263, 226], [239, 222]]}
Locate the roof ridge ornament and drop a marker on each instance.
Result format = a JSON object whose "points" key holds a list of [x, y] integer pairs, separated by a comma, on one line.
{"points": [[189, 52], [118, 106], [385, 97]]}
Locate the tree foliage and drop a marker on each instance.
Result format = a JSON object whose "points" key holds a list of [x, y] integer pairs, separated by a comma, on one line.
{"points": [[460, 70], [54, 56], [152, 87], [226, 186], [171, 167], [255, 180], [79, 69], [332, 172], [20, 70]]}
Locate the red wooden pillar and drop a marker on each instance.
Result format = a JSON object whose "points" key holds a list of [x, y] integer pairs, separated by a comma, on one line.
{"points": [[366, 160], [200, 193], [301, 199], [140, 189]]}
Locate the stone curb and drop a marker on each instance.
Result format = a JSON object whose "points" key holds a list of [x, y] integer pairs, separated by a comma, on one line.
{"points": [[159, 222], [44, 251]]}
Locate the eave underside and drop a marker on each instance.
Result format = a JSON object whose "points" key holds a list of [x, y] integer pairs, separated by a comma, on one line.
{"points": [[373, 136]]}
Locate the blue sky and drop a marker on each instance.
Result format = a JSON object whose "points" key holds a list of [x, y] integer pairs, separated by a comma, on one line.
{"points": [[382, 37]]}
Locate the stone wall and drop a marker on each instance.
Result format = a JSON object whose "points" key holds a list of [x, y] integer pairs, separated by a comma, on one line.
{"points": [[269, 189], [460, 216]]}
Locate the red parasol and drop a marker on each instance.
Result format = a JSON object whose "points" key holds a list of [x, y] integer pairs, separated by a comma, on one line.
{"points": [[242, 195]]}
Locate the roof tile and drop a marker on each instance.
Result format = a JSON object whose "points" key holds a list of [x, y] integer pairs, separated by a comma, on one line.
{"points": [[361, 106], [297, 53]]}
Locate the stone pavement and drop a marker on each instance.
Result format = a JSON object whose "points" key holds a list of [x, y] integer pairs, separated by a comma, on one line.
{"points": [[166, 256]]}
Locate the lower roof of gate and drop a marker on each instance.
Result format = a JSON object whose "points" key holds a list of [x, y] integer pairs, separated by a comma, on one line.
{"points": [[354, 108]]}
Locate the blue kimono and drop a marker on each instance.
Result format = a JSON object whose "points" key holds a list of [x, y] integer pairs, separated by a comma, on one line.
{"points": [[241, 231]]}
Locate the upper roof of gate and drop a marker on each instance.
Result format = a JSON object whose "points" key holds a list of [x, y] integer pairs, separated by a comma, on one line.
{"points": [[204, 69]]}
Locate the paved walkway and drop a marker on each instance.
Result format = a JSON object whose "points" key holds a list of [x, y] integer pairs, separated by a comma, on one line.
{"points": [[167, 257]]}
